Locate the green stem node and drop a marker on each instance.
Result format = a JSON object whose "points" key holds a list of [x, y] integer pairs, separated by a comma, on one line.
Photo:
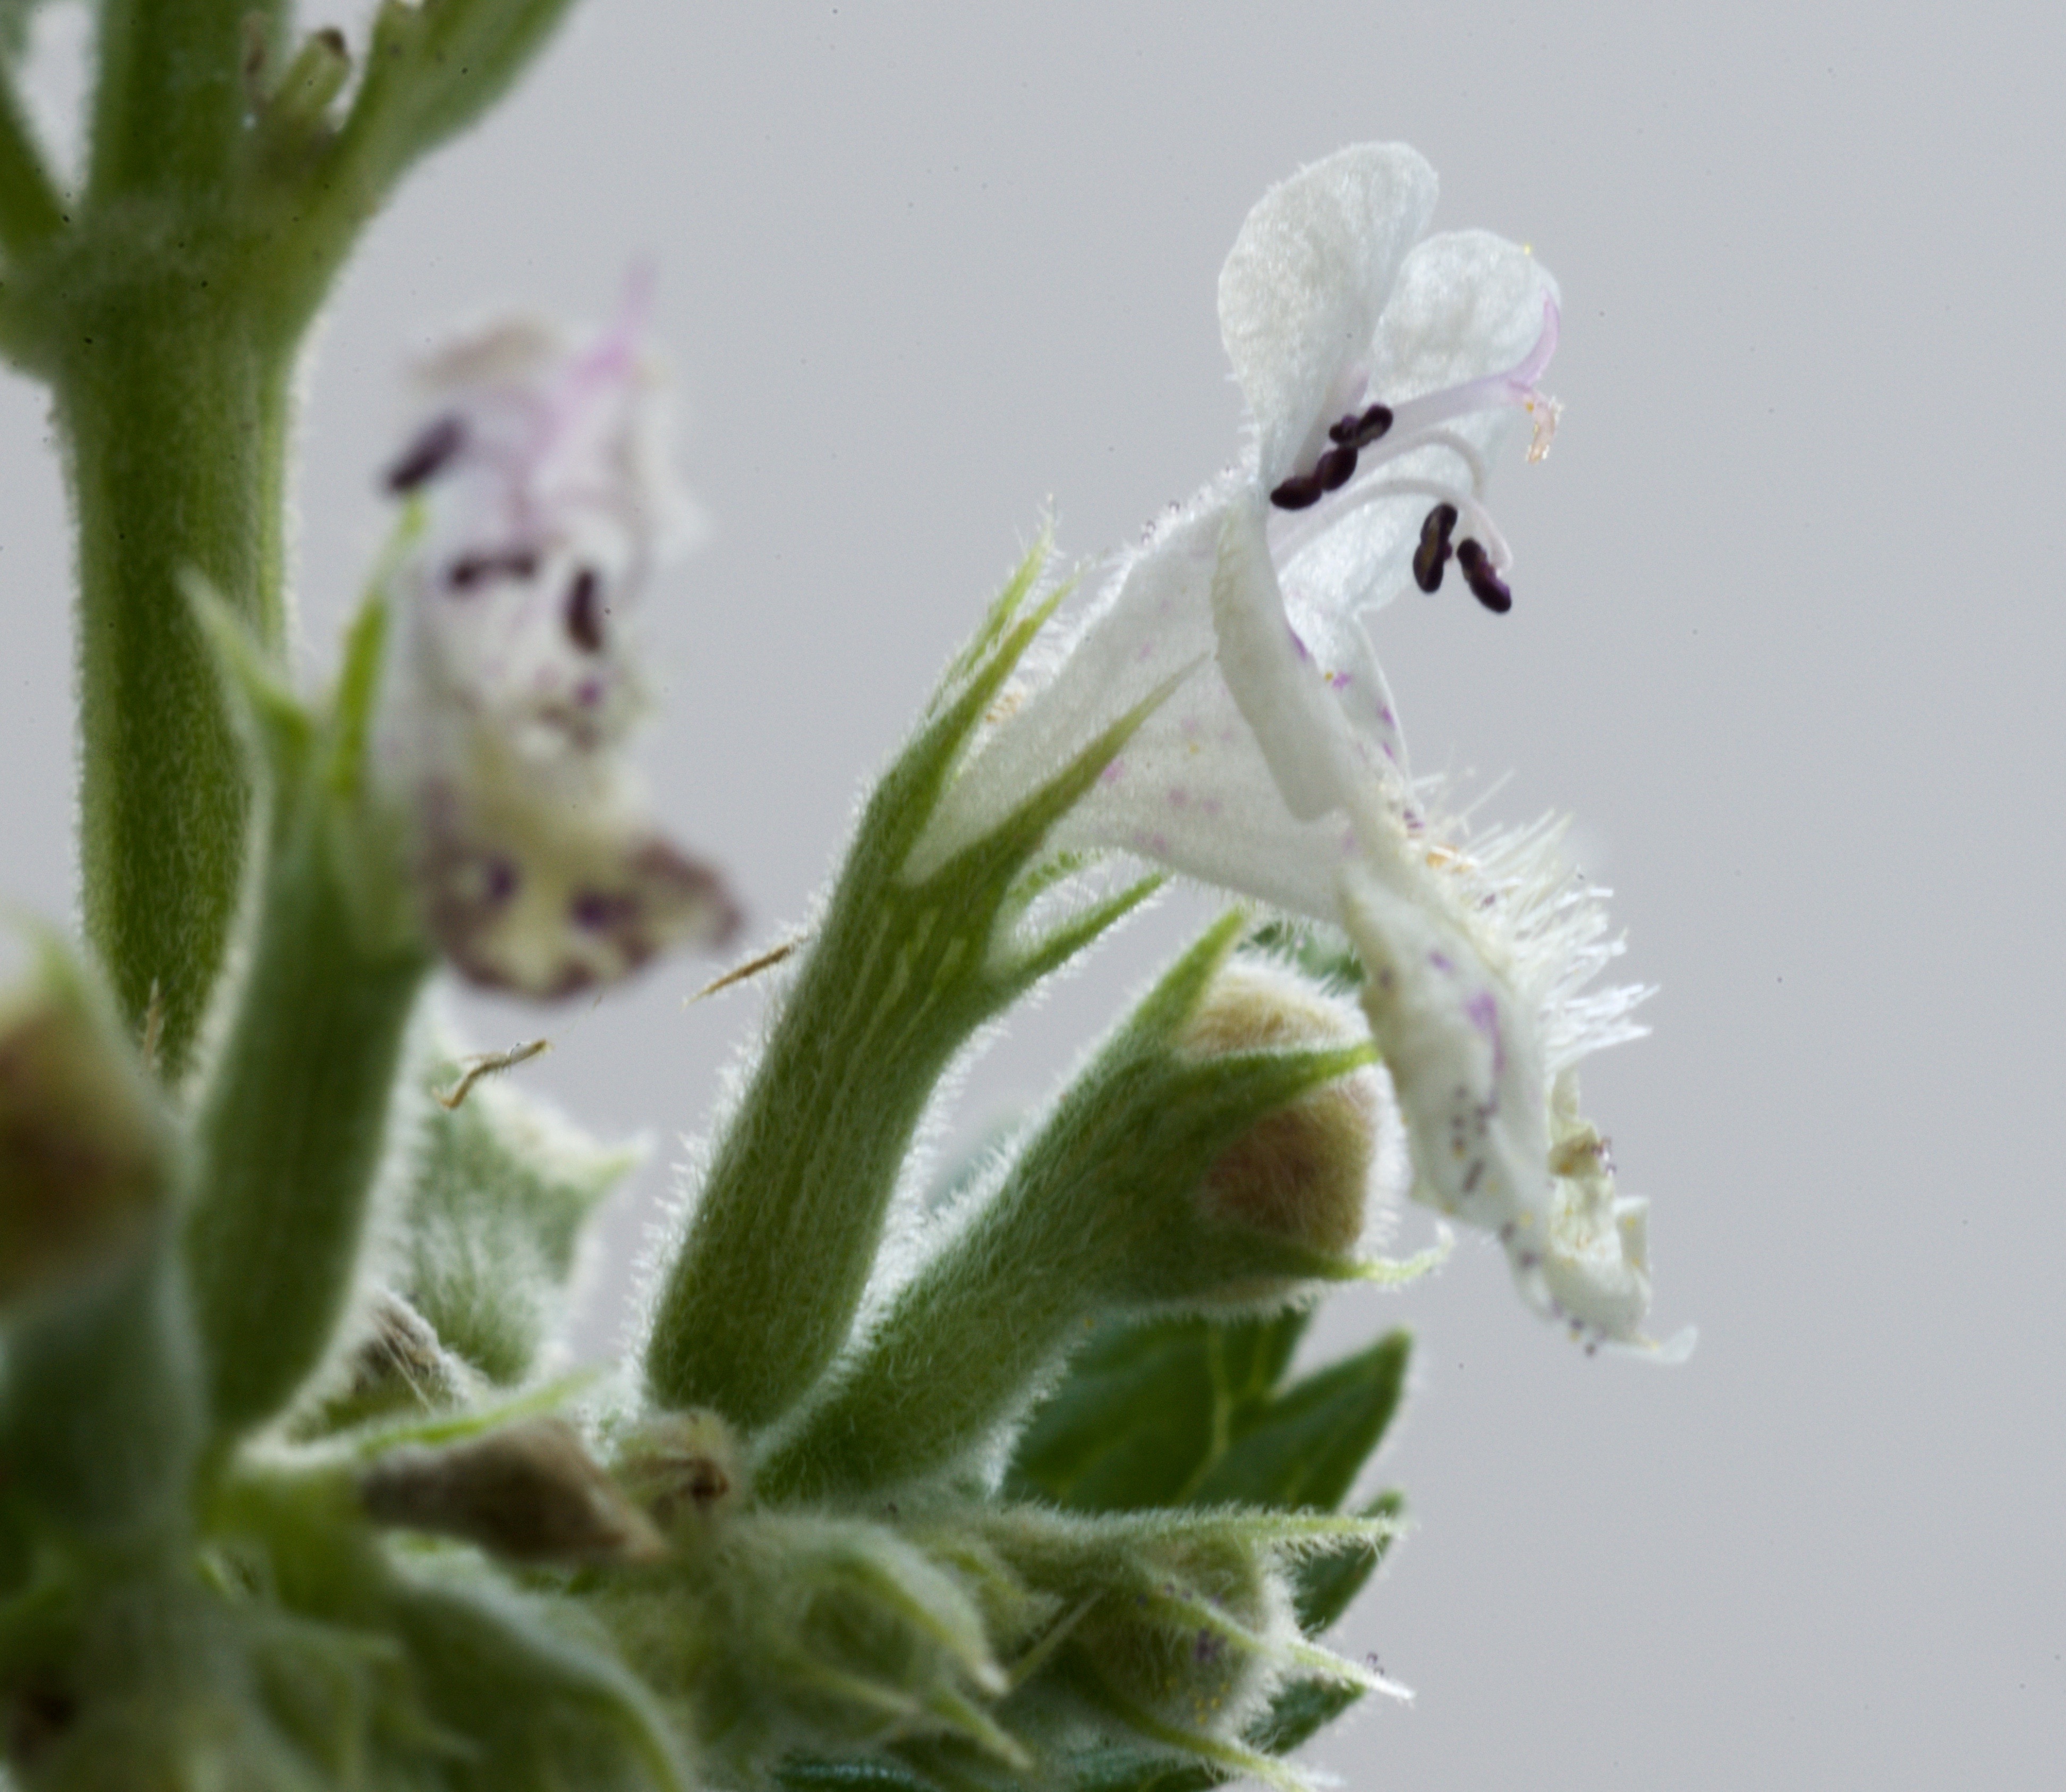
{"points": [[174, 405]]}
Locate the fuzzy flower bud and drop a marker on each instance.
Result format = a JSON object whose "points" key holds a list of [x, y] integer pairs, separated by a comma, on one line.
{"points": [[84, 1147], [547, 503], [1183, 1623], [1304, 1172]]}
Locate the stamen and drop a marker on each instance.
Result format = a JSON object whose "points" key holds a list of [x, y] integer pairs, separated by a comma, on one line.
{"points": [[1433, 555], [1355, 431], [1486, 585], [1543, 411], [470, 570], [426, 456], [1472, 514], [1301, 492], [1414, 420], [584, 611], [1462, 449], [1335, 468]]}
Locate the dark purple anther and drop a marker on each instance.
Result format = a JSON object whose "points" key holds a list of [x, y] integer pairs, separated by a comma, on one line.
{"points": [[1301, 492], [1433, 555], [1486, 585], [470, 570], [1335, 468], [1359, 431], [600, 912], [585, 610], [500, 878], [426, 456]]}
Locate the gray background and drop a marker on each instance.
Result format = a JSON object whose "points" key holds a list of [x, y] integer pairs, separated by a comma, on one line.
{"points": [[1786, 640]]}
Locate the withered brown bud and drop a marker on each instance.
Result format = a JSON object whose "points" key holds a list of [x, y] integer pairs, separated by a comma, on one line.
{"points": [[529, 1492]]}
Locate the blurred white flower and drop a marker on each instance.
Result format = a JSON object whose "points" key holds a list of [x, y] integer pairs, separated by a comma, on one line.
{"points": [[548, 501], [1384, 371]]}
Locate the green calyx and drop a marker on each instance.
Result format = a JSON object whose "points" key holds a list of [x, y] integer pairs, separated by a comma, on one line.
{"points": [[784, 1236], [291, 1119], [1106, 1208]]}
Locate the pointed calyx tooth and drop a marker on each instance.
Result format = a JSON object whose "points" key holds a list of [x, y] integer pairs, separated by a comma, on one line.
{"points": [[1486, 585], [1433, 555]]}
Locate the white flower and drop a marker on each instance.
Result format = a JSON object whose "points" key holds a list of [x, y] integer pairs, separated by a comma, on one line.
{"points": [[1384, 371], [547, 502]]}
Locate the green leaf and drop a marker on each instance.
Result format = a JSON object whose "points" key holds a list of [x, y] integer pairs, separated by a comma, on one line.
{"points": [[1306, 1448], [1146, 1409], [1299, 1711]]}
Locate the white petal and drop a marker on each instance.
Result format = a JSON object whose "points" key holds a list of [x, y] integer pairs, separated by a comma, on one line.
{"points": [[1462, 1056], [545, 875], [1466, 303], [1193, 792], [1594, 1274], [1300, 292], [1269, 672]]}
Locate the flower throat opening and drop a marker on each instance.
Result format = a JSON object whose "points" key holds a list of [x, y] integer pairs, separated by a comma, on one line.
{"points": [[1367, 439]]}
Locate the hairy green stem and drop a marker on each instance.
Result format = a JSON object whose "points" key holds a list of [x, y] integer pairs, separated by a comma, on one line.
{"points": [[170, 105], [174, 406], [168, 321], [805, 1174]]}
